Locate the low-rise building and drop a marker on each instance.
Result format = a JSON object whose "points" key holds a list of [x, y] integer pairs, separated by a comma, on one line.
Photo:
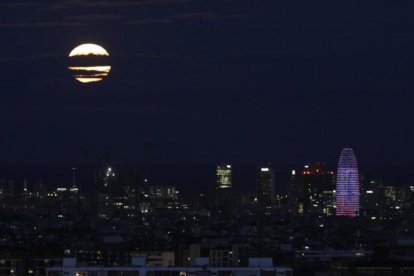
{"points": [[138, 267]]}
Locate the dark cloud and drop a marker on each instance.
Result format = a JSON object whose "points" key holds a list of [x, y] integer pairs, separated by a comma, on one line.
{"points": [[45, 14], [191, 16], [31, 58], [211, 16], [149, 21], [94, 17], [85, 3], [22, 4], [97, 4], [71, 13], [40, 24]]}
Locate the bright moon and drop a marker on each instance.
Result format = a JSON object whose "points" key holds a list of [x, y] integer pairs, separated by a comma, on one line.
{"points": [[87, 63], [88, 49]]}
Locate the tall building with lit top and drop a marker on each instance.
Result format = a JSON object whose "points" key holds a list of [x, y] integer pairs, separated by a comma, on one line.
{"points": [[105, 182], [347, 185], [224, 199], [224, 177], [295, 194], [117, 193], [265, 186], [318, 184]]}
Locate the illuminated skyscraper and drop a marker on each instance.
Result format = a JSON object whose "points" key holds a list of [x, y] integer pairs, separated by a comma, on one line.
{"points": [[295, 203], [318, 184], [224, 178], [106, 185], [225, 200], [265, 186], [347, 185]]}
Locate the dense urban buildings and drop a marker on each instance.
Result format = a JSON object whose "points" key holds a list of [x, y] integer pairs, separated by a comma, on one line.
{"points": [[139, 267], [347, 185], [130, 218]]}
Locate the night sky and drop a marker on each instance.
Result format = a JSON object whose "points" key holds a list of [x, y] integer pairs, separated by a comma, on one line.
{"points": [[209, 81]]}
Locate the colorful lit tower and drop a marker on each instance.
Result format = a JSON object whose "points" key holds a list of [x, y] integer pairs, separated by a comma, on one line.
{"points": [[347, 185]]}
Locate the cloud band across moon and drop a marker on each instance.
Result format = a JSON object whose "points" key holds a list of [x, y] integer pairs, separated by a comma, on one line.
{"points": [[86, 63]]}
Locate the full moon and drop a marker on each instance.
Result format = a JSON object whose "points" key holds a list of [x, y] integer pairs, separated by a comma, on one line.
{"points": [[88, 63]]}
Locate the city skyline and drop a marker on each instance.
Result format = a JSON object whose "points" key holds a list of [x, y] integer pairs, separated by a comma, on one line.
{"points": [[128, 219], [201, 138]]}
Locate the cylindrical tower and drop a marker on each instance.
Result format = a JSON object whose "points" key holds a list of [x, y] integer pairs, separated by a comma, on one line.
{"points": [[347, 185]]}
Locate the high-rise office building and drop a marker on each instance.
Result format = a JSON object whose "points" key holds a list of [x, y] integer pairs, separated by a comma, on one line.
{"points": [[318, 185], [347, 185], [371, 198], [224, 199], [224, 177], [295, 195], [116, 194], [105, 184], [265, 186]]}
